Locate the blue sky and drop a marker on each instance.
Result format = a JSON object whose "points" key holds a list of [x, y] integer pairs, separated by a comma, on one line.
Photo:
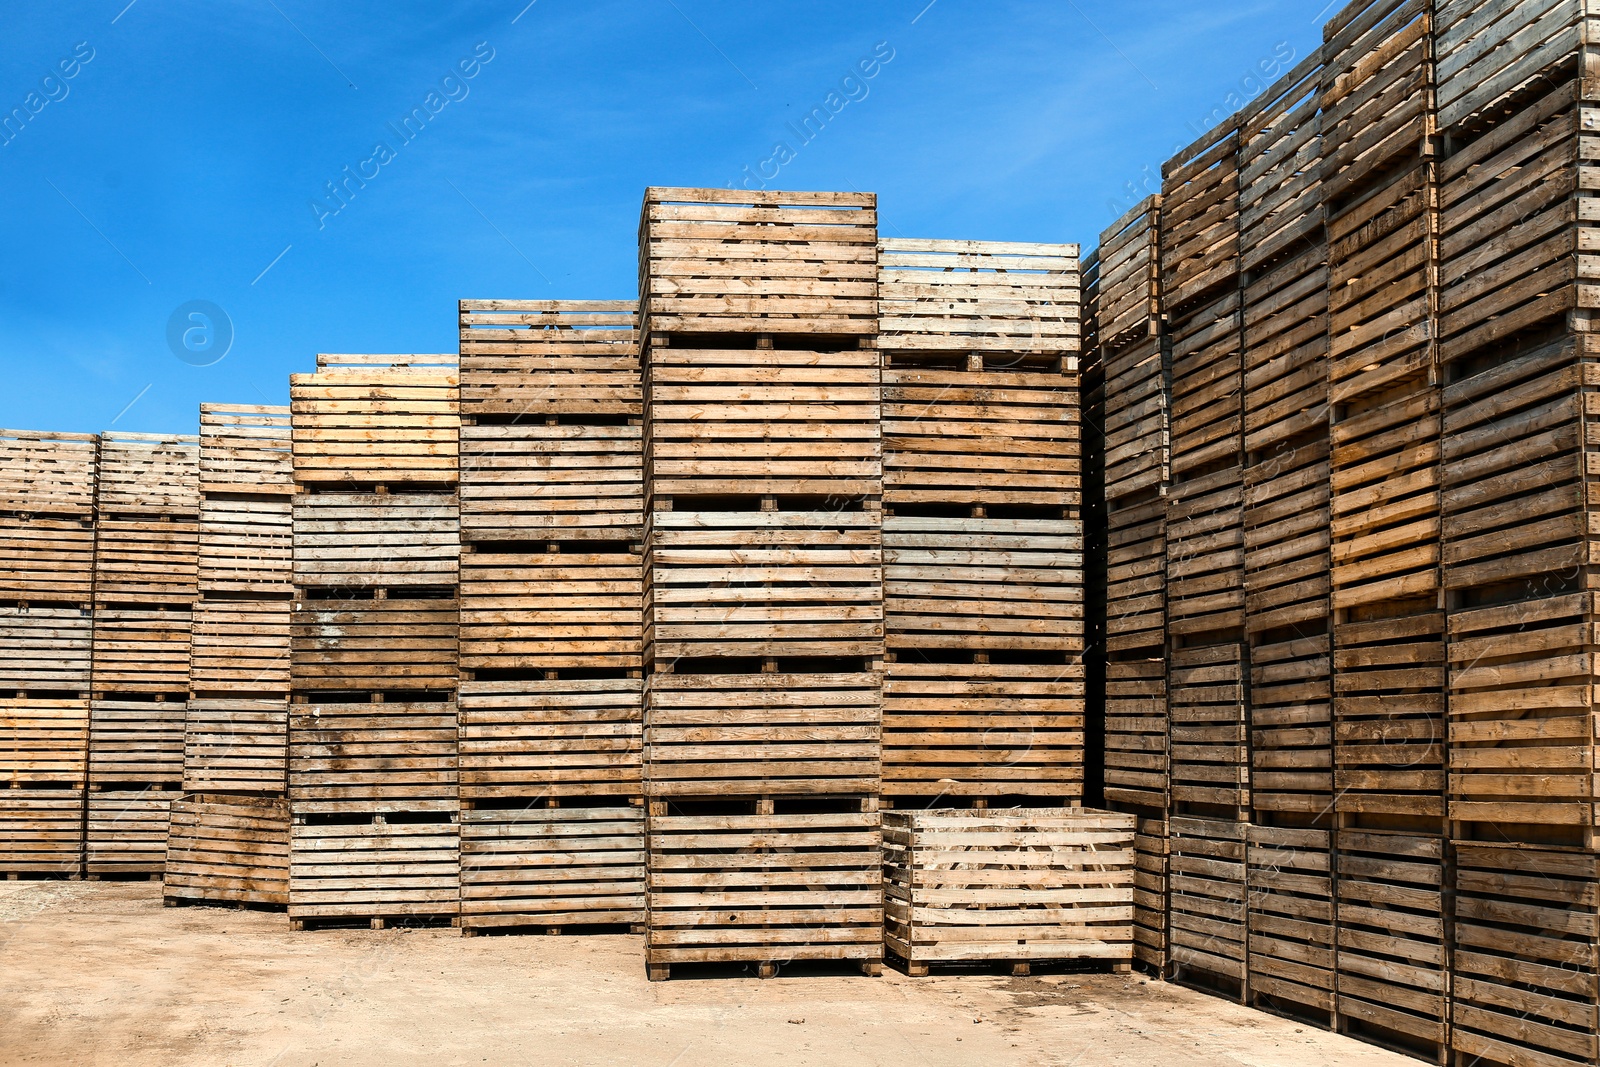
{"points": [[184, 160]]}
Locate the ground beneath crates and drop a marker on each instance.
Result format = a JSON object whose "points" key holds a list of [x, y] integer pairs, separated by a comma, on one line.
{"points": [[101, 973]]}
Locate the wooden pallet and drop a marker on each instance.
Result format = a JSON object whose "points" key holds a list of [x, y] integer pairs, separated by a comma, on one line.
{"points": [[969, 730], [560, 482], [148, 474], [245, 450], [43, 473], [43, 742], [1491, 54], [1208, 923], [240, 646], [763, 889], [126, 831], [1150, 891], [140, 650], [528, 361], [1016, 885], [147, 560], [236, 744], [1137, 732], [1209, 743], [136, 741], [552, 867], [772, 734], [227, 850], [764, 584], [394, 756], [1526, 956], [1128, 298], [558, 738], [47, 649], [41, 831], [729, 261], [365, 420], [386, 869], [51, 561], [1291, 902], [1392, 981]]}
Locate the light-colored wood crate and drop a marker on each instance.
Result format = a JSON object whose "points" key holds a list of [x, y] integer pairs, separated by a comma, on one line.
{"points": [[1137, 732], [376, 870], [236, 745], [1291, 723], [228, 850], [365, 420], [43, 742], [373, 757], [763, 421], [136, 742], [560, 738], [764, 888], [579, 607], [240, 647], [1489, 54], [399, 642], [552, 867], [708, 736], [1376, 90], [245, 450], [51, 561], [147, 560], [1150, 881], [141, 651], [148, 474], [1136, 575], [730, 261], [376, 540], [1208, 746], [41, 831], [1280, 147], [43, 473], [1199, 221], [45, 648], [1290, 875], [538, 359], [1391, 952], [983, 729], [558, 482], [1525, 974], [1129, 290], [246, 546], [1208, 902], [819, 574], [126, 831], [1013, 884], [1137, 431]]}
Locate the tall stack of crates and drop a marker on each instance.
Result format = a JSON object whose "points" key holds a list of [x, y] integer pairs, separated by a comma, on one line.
{"points": [[764, 632], [229, 839], [982, 527], [552, 524], [146, 583], [373, 648], [47, 511]]}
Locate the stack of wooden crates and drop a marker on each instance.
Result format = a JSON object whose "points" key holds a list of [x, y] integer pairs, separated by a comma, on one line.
{"points": [[47, 508], [373, 651], [552, 524], [764, 630], [229, 838]]}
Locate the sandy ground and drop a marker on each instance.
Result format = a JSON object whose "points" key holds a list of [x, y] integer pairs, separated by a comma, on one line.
{"points": [[101, 973]]}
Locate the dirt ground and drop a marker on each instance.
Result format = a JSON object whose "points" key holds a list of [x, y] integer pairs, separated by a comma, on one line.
{"points": [[101, 973]]}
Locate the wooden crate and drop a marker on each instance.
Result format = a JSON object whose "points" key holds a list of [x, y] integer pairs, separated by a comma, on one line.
{"points": [[1137, 732], [764, 889], [1291, 723], [1012, 885], [136, 742], [147, 560], [1291, 902], [752, 583], [1491, 54], [44, 473], [1128, 302], [1137, 430], [1208, 747], [245, 450], [559, 738], [404, 641], [227, 850], [43, 742], [552, 867], [246, 546], [1392, 979], [373, 758], [722, 735], [364, 420], [376, 540], [236, 745], [138, 650], [543, 483], [997, 729], [126, 832], [147, 475], [388, 868], [47, 649], [1208, 923], [51, 561], [1150, 891], [730, 261], [1199, 223], [240, 647], [1525, 974], [41, 831], [531, 360]]}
